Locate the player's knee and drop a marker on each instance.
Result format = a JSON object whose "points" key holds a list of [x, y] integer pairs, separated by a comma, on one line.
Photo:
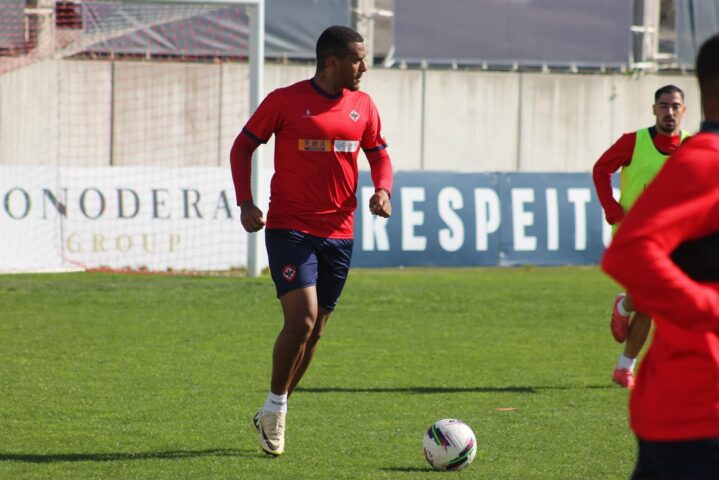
{"points": [[319, 327], [300, 327], [314, 338]]}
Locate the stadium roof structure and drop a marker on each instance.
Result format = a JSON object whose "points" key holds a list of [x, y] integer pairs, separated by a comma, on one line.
{"points": [[291, 28], [520, 33]]}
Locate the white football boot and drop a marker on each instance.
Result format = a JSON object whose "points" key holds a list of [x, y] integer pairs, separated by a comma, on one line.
{"points": [[272, 432], [256, 420]]}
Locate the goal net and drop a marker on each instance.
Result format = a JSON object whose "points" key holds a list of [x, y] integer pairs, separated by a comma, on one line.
{"points": [[116, 122]]}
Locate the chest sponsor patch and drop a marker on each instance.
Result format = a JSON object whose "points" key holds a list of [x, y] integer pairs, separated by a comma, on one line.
{"points": [[346, 146], [306, 145]]}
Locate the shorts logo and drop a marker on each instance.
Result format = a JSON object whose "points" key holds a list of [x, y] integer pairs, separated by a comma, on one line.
{"points": [[305, 145], [289, 272], [354, 115], [346, 146]]}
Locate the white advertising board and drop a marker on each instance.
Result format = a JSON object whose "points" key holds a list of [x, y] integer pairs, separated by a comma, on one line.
{"points": [[120, 217]]}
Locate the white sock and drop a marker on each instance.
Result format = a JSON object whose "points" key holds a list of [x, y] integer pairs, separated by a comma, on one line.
{"points": [[275, 403], [625, 363], [622, 310]]}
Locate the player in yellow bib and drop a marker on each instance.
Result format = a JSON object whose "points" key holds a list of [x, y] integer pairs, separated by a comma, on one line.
{"points": [[645, 163], [640, 155]]}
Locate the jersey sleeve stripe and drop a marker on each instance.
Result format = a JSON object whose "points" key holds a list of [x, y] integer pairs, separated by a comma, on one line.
{"points": [[252, 136], [375, 149]]}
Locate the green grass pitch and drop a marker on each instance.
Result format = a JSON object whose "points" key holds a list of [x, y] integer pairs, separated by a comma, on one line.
{"points": [[108, 376]]}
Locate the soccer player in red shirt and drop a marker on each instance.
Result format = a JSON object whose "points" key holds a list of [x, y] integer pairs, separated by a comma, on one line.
{"points": [[319, 126], [666, 254], [639, 155]]}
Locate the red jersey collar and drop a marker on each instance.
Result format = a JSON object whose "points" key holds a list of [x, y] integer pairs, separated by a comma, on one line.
{"points": [[322, 92]]}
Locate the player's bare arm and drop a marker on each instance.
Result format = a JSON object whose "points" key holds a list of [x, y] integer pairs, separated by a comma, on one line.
{"points": [[251, 217], [379, 203]]}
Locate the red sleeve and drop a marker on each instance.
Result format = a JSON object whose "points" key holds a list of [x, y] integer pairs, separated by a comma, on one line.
{"points": [[372, 139], [668, 213], [259, 128], [374, 146], [380, 169], [241, 165], [267, 119], [616, 157]]}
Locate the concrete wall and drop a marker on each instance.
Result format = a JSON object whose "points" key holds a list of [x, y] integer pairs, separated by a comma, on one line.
{"points": [[97, 113], [398, 96], [85, 92], [471, 121], [568, 121], [166, 114], [29, 115]]}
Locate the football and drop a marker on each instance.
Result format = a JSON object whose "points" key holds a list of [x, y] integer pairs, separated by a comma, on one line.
{"points": [[449, 444]]}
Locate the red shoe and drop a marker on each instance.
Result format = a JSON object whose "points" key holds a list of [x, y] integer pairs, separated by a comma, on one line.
{"points": [[620, 323], [623, 378]]}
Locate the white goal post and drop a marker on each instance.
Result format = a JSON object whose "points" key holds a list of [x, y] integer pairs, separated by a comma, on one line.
{"points": [[256, 60]]}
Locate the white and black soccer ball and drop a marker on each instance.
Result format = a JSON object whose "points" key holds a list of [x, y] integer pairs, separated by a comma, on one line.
{"points": [[449, 444]]}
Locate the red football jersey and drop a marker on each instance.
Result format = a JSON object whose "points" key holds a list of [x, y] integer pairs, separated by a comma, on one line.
{"points": [[677, 392], [317, 141]]}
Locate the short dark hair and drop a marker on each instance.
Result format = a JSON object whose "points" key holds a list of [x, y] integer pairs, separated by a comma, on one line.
{"points": [[668, 89], [708, 61], [334, 41]]}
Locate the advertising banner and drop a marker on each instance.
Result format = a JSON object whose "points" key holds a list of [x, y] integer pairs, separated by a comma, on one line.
{"points": [[119, 217], [186, 219], [464, 219]]}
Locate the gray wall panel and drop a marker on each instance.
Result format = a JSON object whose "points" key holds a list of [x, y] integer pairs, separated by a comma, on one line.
{"points": [[172, 114], [471, 121], [12, 23], [529, 32], [564, 121], [166, 114], [29, 115]]}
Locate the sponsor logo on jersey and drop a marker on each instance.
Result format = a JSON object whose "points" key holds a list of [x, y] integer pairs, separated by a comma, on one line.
{"points": [[346, 146], [306, 145], [354, 115], [307, 113], [289, 272]]}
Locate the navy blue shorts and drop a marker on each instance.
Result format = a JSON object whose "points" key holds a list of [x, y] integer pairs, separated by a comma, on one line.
{"points": [[681, 460], [299, 260]]}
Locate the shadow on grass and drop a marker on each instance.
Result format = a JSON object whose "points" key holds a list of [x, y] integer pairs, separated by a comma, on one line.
{"points": [[114, 457], [407, 469], [432, 390]]}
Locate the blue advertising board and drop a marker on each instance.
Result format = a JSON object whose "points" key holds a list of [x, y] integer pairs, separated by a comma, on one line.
{"points": [[482, 219]]}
